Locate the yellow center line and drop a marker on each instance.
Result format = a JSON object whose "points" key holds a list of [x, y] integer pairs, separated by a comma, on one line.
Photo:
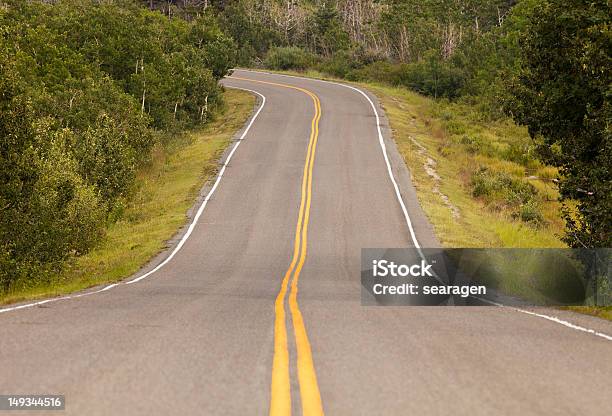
{"points": [[280, 391]]}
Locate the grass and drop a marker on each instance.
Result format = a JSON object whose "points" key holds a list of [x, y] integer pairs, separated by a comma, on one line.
{"points": [[487, 196], [488, 190], [519, 210], [604, 312], [166, 188]]}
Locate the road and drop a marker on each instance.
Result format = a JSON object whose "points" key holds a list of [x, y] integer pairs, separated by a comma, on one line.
{"points": [[221, 328]]}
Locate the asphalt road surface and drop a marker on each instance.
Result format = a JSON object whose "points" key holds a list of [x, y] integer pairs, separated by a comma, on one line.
{"points": [[221, 328]]}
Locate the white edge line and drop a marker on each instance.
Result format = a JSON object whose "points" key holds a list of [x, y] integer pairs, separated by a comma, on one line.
{"points": [[550, 318], [185, 236], [405, 211], [210, 193]]}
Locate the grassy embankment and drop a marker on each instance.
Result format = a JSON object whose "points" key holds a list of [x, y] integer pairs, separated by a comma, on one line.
{"points": [[489, 190], [480, 186], [166, 189]]}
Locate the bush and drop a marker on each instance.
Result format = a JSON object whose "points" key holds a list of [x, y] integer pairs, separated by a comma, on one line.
{"points": [[49, 211], [86, 88], [106, 159], [288, 58], [502, 190], [489, 184], [356, 64], [381, 71], [433, 76], [339, 65], [473, 144], [530, 213], [562, 94]]}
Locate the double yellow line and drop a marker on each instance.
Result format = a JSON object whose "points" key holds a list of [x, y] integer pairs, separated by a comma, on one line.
{"points": [[280, 397]]}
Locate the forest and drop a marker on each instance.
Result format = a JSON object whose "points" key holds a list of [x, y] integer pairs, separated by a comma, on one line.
{"points": [[89, 88]]}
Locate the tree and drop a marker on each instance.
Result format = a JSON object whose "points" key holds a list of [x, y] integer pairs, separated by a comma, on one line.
{"points": [[47, 211], [562, 93], [329, 36], [87, 88]]}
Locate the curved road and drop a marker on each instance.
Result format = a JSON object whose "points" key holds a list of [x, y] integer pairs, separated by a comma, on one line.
{"points": [[221, 328]]}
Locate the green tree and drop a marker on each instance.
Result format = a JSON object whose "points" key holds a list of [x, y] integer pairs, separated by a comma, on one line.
{"points": [[85, 89], [329, 35], [562, 94], [47, 211], [252, 36]]}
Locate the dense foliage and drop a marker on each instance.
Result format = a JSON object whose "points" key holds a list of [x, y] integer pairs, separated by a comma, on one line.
{"points": [[562, 93], [86, 89], [442, 48]]}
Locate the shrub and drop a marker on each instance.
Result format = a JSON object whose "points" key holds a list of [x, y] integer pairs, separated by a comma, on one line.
{"points": [[502, 190], [473, 144], [521, 153], [455, 127], [356, 64], [49, 212], [287, 58], [86, 90], [530, 213], [339, 65], [433, 76], [106, 159], [487, 183], [380, 71]]}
